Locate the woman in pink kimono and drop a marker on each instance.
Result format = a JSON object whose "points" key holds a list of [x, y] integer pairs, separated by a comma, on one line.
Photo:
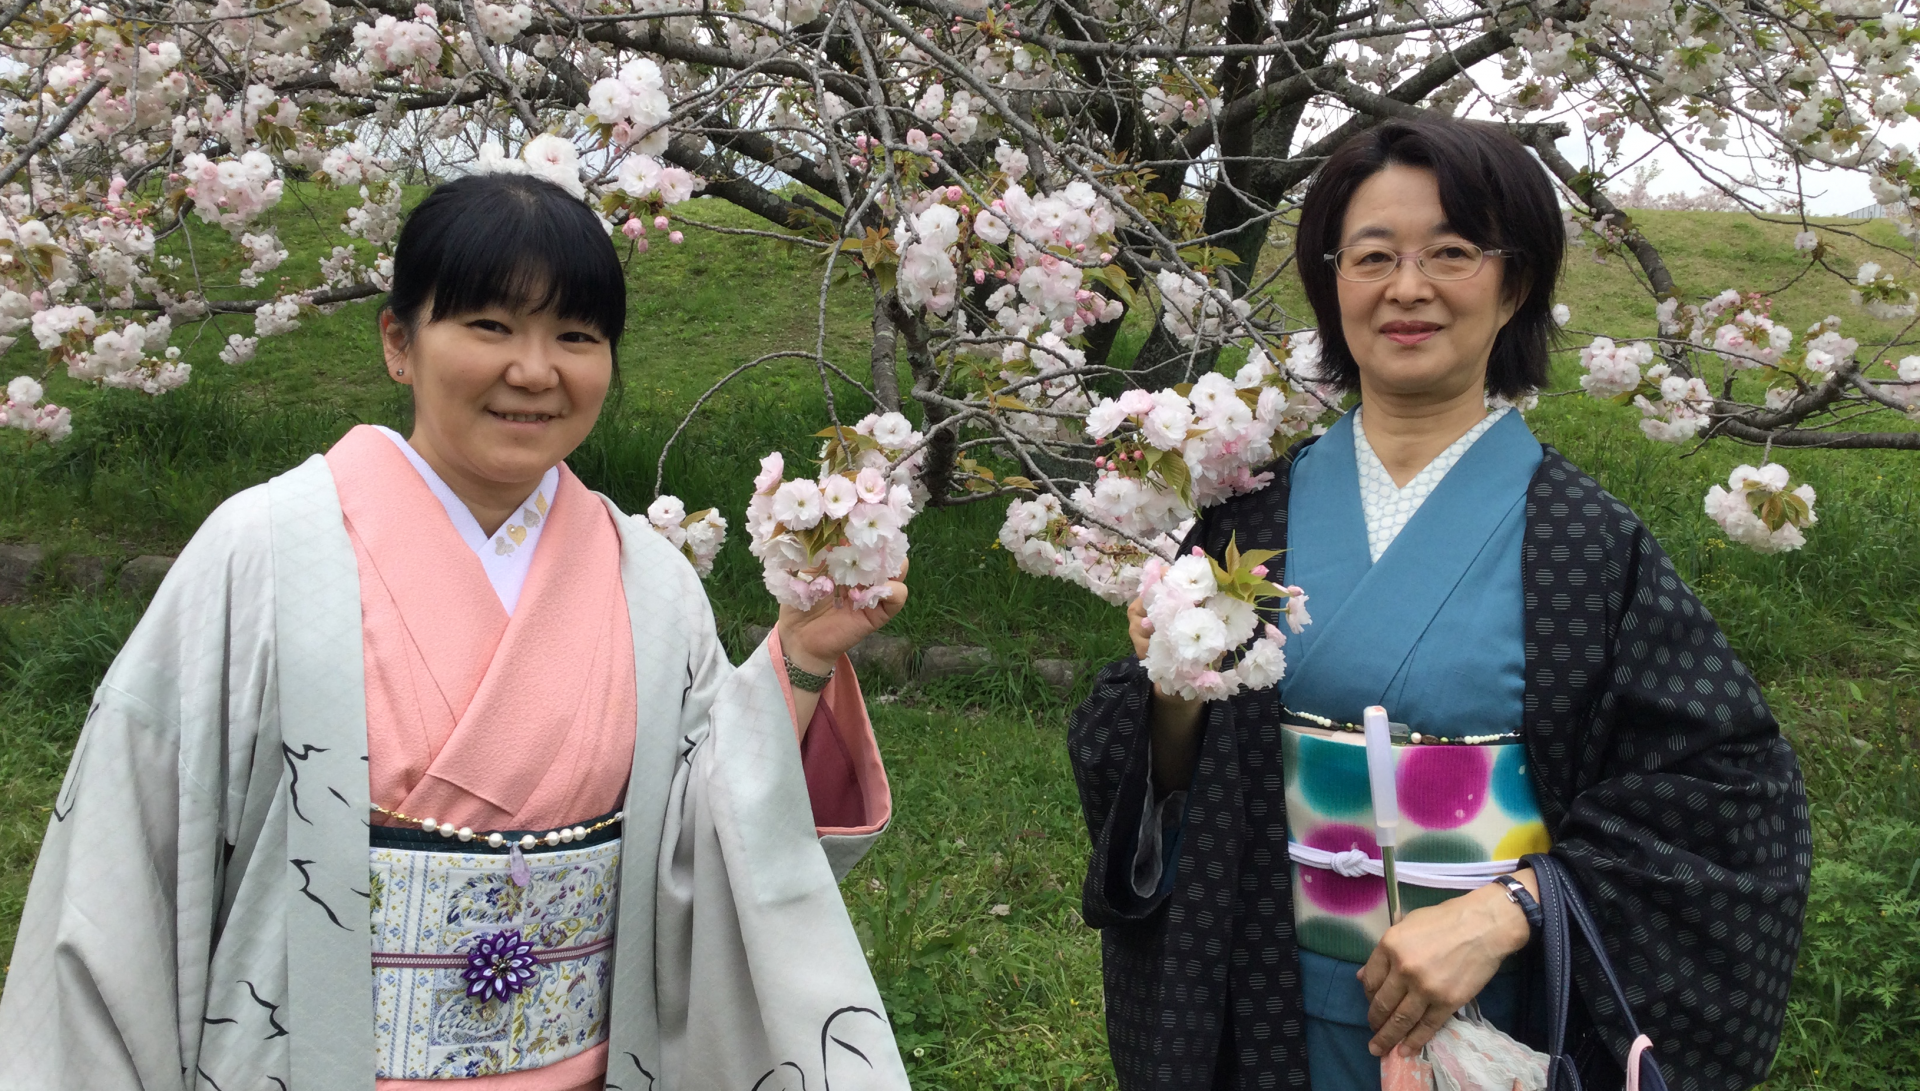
{"points": [[426, 768]]}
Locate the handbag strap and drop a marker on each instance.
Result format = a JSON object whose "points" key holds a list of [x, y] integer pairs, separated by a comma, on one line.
{"points": [[1564, 912]]}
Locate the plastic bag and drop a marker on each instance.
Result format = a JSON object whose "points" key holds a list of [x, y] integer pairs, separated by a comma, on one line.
{"points": [[1467, 1054]]}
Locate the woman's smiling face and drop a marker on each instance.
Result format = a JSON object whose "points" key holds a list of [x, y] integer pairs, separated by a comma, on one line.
{"points": [[1413, 336], [500, 395]]}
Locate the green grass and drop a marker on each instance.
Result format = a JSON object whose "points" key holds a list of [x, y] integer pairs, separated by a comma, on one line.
{"points": [[986, 813]]}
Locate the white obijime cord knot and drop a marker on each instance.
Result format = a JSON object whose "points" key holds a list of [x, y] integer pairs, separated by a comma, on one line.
{"points": [[1355, 864], [1352, 863]]}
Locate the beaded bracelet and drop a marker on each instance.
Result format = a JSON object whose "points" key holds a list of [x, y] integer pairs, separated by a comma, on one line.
{"points": [[562, 836]]}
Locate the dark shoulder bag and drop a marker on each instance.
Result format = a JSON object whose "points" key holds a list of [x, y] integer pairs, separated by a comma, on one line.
{"points": [[1564, 912]]}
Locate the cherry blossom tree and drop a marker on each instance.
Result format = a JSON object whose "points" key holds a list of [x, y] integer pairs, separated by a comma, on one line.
{"points": [[1009, 182]]}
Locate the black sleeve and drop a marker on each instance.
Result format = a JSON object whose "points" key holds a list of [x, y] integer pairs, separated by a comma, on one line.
{"points": [[1108, 742], [1684, 820]]}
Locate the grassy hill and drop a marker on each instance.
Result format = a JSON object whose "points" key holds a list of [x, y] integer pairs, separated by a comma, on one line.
{"points": [[969, 906]]}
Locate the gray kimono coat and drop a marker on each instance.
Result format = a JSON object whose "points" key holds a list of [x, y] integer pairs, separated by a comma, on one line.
{"points": [[199, 915]]}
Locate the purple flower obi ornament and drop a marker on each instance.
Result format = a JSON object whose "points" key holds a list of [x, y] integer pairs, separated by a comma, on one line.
{"points": [[499, 965]]}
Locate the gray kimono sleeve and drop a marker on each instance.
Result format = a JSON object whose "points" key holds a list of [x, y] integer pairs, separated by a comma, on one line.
{"points": [[108, 986], [761, 976]]}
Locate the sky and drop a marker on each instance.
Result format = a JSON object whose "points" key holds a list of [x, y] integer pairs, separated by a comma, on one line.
{"points": [[1829, 193]]}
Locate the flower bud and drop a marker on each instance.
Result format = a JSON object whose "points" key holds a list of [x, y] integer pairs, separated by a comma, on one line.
{"points": [[660, 223]]}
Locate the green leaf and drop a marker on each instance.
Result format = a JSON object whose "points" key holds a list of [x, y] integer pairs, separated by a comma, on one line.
{"points": [[1174, 472], [1256, 557]]}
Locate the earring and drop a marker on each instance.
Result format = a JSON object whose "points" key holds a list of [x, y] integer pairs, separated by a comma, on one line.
{"points": [[399, 371]]}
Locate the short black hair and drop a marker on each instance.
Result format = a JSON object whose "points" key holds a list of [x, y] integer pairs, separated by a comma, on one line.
{"points": [[1494, 194], [507, 240]]}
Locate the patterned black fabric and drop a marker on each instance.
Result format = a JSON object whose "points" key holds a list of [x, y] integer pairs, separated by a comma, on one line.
{"points": [[1669, 790]]}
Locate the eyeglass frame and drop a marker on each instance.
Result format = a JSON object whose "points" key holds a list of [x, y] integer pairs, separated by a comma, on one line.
{"points": [[1418, 256]]}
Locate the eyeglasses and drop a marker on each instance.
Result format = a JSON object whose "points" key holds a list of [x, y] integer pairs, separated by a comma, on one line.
{"points": [[1441, 261]]}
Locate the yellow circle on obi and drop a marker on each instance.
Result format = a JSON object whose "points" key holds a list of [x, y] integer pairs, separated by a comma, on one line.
{"points": [[1523, 839]]}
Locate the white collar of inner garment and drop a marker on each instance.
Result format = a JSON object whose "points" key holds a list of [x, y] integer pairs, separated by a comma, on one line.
{"points": [[507, 555], [1387, 506]]}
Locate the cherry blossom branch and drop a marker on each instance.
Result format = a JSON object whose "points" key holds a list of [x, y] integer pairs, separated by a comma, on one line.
{"points": [[54, 130]]}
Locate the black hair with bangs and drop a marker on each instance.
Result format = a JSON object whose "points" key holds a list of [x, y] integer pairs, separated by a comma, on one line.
{"points": [[1494, 194], [507, 240]]}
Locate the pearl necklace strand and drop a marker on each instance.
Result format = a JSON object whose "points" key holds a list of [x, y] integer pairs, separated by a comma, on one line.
{"points": [[1416, 738], [563, 836]]}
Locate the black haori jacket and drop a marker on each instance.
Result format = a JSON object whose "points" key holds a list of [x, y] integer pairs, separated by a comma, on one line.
{"points": [[1661, 774]]}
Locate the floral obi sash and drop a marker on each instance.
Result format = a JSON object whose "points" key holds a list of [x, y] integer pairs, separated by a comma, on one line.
{"points": [[489, 960], [1467, 814]]}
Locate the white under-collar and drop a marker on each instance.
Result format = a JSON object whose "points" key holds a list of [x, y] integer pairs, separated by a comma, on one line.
{"points": [[507, 556], [1387, 506]]}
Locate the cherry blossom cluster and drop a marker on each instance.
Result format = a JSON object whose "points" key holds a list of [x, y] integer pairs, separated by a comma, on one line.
{"points": [[1044, 252], [841, 534], [1681, 411], [698, 535], [1046, 542], [1880, 295], [1167, 455], [1199, 610], [1758, 509], [1906, 390], [1196, 311], [1738, 329], [25, 411], [1738, 333]]}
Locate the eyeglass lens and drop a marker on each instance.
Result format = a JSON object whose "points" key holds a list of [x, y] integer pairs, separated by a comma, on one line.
{"points": [[1441, 261]]}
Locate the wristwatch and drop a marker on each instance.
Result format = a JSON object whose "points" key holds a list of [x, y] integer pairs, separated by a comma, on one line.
{"points": [[806, 680], [1518, 894]]}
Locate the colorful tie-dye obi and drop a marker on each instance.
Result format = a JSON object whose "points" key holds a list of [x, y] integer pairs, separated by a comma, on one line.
{"points": [[1459, 805], [449, 924]]}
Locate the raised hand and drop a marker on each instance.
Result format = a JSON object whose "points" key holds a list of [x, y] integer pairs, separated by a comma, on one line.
{"points": [[815, 639]]}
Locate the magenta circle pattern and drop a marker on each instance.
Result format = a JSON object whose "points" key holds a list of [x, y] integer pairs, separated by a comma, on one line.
{"points": [[1443, 787], [1332, 891]]}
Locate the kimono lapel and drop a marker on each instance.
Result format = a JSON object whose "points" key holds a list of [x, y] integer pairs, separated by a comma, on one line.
{"points": [[1367, 628], [1334, 558], [548, 737], [445, 606], [474, 718], [323, 728]]}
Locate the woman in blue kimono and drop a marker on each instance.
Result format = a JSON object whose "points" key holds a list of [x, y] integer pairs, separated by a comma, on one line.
{"points": [[1560, 683]]}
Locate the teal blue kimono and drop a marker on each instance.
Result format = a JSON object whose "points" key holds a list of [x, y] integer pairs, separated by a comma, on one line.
{"points": [[1432, 631]]}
